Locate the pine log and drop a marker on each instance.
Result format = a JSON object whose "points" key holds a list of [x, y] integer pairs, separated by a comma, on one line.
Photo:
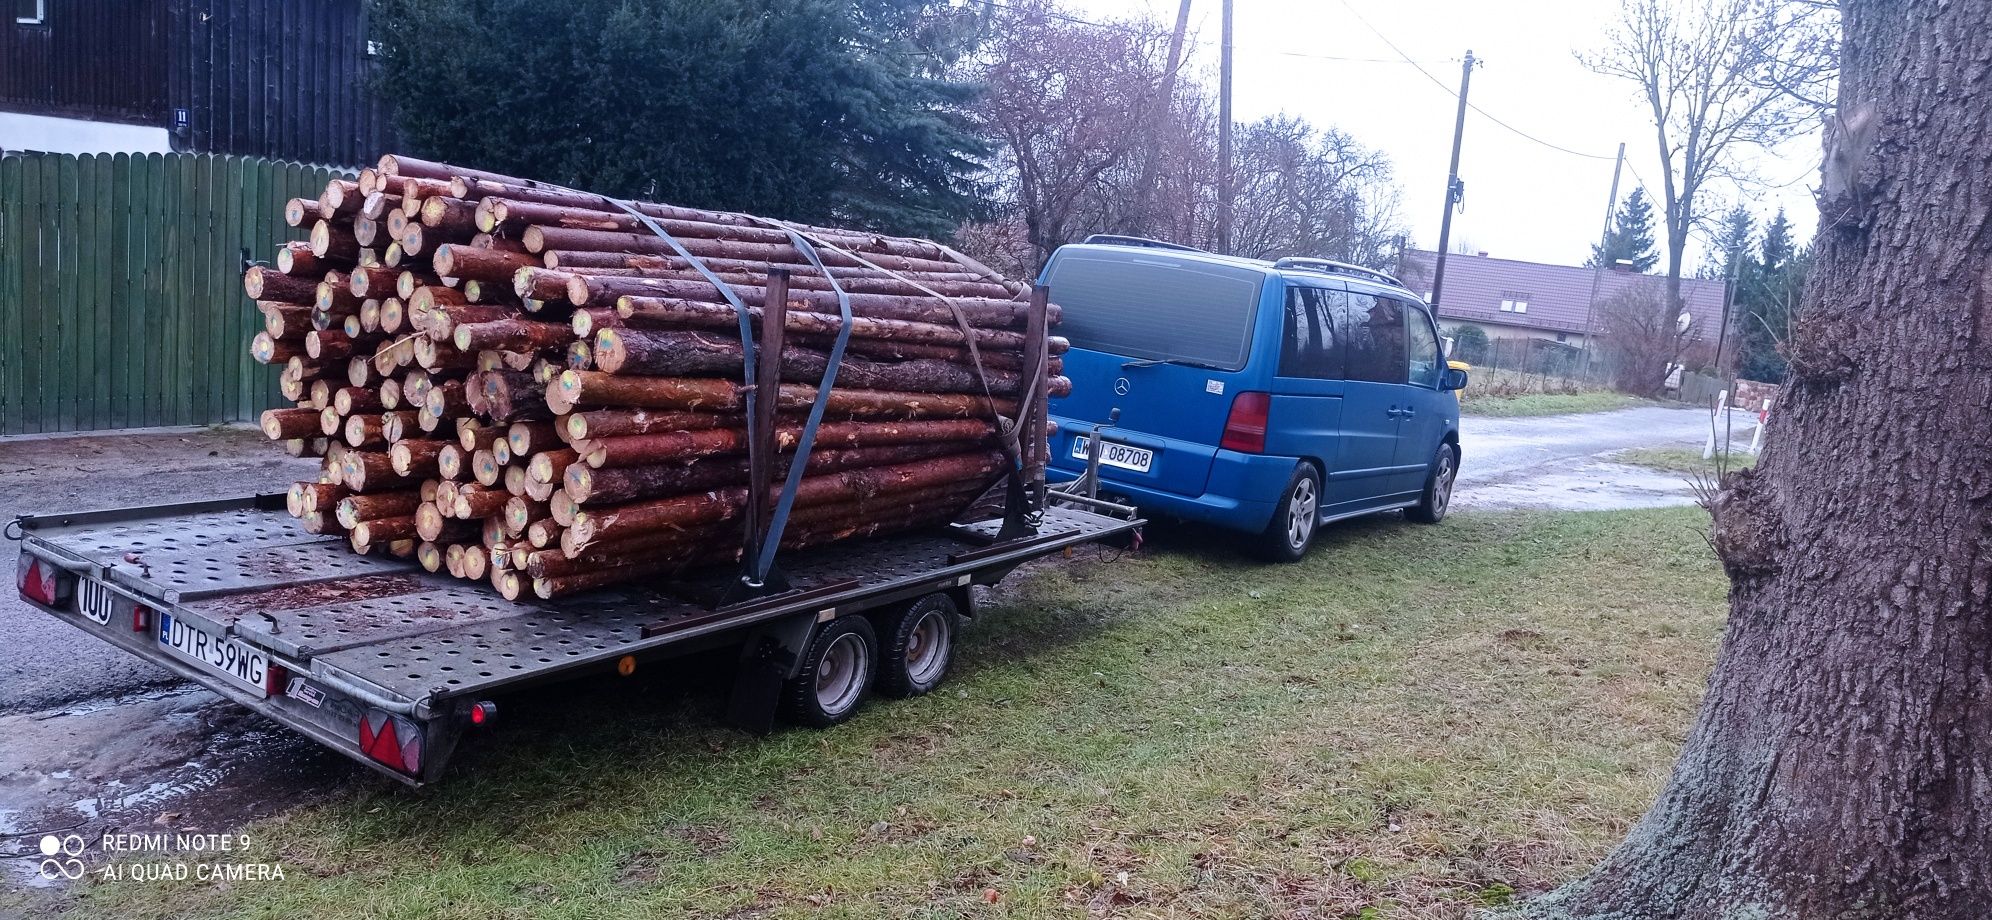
{"points": [[593, 389], [677, 313], [467, 263], [583, 484], [262, 282]]}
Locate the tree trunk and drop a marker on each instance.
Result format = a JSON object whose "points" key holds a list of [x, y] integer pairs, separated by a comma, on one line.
{"points": [[1841, 764]]}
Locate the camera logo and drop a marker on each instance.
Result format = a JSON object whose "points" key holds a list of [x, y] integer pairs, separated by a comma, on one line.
{"points": [[60, 857]]}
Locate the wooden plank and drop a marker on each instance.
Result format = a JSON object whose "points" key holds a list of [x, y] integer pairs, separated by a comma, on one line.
{"points": [[38, 304], [14, 227], [70, 371], [252, 213], [149, 403], [128, 243], [96, 208], [187, 234]]}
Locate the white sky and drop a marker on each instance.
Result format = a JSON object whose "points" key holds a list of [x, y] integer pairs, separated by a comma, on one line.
{"points": [[1523, 200]]}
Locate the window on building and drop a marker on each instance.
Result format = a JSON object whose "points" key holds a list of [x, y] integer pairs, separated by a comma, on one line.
{"points": [[31, 12], [1514, 303]]}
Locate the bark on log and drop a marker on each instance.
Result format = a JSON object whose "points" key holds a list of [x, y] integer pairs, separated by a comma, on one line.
{"points": [[593, 389], [678, 313], [693, 354], [262, 282], [648, 449]]}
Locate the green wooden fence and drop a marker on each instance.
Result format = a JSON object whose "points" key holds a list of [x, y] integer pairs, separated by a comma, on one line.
{"points": [[121, 300]]}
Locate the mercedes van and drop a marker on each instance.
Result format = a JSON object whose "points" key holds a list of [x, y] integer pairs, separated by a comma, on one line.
{"points": [[1268, 397]]}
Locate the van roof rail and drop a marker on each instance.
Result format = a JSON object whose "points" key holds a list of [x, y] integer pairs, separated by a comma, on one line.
{"points": [[1114, 239], [1331, 267]]}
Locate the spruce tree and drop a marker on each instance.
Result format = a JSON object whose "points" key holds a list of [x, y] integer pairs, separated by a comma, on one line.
{"points": [[811, 110], [1631, 236]]}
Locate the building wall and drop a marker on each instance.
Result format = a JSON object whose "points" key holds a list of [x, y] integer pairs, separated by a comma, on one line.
{"points": [[1499, 331], [75, 135], [104, 60], [285, 79]]}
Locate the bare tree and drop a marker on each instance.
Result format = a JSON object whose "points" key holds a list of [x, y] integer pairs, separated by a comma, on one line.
{"points": [[1067, 102], [1635, 334], [1719, 77], [1841, 764]]}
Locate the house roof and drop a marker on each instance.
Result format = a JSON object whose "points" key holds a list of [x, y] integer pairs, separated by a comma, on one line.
{"points": [[1559, 296]]}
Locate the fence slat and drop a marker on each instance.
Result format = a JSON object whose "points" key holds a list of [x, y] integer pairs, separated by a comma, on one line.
{"points": [[13, 251]]}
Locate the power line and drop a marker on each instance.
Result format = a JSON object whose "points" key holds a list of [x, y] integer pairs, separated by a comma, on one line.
{"points": [[1451, 92]]}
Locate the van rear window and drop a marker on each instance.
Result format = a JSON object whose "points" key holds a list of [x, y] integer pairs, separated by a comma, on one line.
{"points": [[1144, 306]]}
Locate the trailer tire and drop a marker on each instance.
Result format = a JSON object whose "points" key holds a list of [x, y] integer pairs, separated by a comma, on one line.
{"points": [[838, 669], [919, 646]]}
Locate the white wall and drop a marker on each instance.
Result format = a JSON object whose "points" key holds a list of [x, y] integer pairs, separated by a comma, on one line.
{"points": [[74, 135]]}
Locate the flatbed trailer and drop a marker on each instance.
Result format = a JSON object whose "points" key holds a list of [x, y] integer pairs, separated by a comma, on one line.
{"points": [[389, 664]]}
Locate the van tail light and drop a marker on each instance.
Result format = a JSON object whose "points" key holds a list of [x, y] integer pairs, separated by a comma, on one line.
{"points": [[1245, 429], [42, 582], [392, 740]]}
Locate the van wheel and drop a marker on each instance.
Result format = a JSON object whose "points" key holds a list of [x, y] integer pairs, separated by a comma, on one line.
{"points": [[1296, 518], [1431, 507], [919, 646], [835, 674]]}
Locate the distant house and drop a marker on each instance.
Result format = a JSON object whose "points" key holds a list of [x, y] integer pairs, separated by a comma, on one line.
{"points": [[285, 79], [1512, 299]]}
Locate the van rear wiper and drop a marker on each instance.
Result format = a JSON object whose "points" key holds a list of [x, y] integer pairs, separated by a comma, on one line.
{"points": [[1185, 362]]}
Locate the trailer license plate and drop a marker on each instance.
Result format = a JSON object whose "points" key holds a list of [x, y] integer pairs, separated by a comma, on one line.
{"points": [[95, 601], [1111, 454], [233, 659]]}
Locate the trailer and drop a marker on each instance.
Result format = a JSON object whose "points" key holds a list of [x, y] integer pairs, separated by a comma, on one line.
{"points": [[391, 665]]}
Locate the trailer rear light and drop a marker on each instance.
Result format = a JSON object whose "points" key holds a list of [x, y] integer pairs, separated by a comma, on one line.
{"points": [[483, 713], [43, 583], [1245, 429], [391, 740], [141, 618], [276, 679]]}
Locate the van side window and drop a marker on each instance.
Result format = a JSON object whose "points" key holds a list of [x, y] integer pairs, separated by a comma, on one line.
{"points": [[1423, 350], [1311, 345], [1374, 328]]}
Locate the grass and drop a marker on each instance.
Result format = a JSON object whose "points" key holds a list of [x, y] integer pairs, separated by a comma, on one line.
{"points": [[1535, 404], [1687, 460], [1415, 722]]}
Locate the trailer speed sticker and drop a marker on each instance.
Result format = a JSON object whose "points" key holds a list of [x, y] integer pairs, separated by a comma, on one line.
{"points": [[95, 601], [233, 659]]}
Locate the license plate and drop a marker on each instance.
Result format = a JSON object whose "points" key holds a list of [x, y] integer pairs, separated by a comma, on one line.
{"points": [[232, 658], [1125, 456], [95, 601]]}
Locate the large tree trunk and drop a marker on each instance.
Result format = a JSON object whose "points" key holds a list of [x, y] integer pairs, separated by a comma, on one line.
{"points": [[1841, 765]]}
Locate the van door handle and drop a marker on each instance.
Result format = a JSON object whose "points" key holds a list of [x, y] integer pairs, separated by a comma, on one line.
{"points": [[1406, 412], [1394, 413]]}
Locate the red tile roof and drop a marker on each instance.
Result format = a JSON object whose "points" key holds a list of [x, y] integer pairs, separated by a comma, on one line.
{"points": [[1558, 295]]}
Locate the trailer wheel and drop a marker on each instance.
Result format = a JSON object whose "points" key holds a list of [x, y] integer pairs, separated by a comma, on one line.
{"points": [[839, 668], [919, 646]]}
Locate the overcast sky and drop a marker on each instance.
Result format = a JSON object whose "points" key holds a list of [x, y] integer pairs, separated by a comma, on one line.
{"points": [[1524, 200]]}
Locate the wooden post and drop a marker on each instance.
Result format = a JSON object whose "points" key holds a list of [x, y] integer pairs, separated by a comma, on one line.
{"points": [[761, 427], [1033, 418]]}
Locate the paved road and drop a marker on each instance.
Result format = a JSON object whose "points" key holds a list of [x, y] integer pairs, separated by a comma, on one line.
{"points": [[43, 662], [1561, 461]]}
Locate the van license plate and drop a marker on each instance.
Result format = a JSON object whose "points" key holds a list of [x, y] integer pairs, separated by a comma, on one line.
{"points": [[95, 601], [1124, 456], [231, 658]]}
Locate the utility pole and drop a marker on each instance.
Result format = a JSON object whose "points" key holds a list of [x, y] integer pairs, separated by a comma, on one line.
{"points": [[1454, 191], [1224, 189], [1604, 240]]}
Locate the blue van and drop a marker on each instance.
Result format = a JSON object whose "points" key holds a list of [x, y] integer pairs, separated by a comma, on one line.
{"points": [[1267, 397]]}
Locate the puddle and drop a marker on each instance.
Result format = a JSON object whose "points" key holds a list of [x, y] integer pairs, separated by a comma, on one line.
{"points": [[1584, 486], [177, 761]]}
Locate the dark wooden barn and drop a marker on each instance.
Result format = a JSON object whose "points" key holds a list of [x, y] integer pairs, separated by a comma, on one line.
{"points": [[286, 79]]}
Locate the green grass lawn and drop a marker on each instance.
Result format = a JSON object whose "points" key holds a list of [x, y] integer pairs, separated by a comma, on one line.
{"points": [[1533, 404], [1412, 723], [1686, 460]]}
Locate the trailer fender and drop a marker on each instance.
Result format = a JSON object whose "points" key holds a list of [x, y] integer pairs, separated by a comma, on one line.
{"points": [[771, 654]]}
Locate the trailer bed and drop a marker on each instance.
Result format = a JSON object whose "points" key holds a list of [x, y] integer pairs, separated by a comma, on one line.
{"points": [[379, 634]]}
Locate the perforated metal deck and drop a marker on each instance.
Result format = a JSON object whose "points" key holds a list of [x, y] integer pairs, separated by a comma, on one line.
{"points": [[387, 624]]}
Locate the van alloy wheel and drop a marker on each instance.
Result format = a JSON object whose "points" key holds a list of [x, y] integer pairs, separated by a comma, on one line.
{"points": [[1302, 509], [1437, 500]]}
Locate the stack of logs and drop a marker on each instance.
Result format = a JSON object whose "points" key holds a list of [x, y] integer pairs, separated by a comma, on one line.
{"points": [[525, 384]]}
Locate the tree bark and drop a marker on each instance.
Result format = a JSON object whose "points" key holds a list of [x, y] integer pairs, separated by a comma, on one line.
{"points": [[1841, 764]]}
